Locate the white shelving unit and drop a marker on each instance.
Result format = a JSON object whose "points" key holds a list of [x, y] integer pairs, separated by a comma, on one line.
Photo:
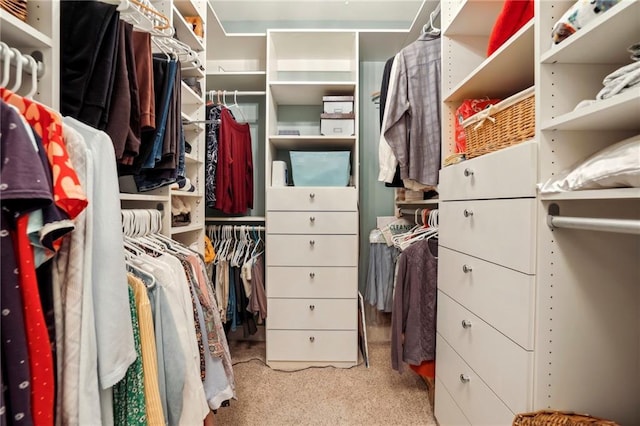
{"points": [[41, 33], [565, 334], [192, 114], [311, 265]]}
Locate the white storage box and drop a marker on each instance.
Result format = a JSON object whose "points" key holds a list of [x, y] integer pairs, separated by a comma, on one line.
{"points": [[337, 125], [337, 104]]}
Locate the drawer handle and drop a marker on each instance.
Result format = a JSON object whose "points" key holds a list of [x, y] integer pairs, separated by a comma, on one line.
{"points": [[464, 378], [312, 195], [312, 243], [468, 172], [312, 307], [466, 324], [312, 275], [312, 219], [467, 213], [312, 339], [466, 269]]}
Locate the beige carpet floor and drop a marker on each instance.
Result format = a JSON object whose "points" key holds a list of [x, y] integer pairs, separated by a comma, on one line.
{"points": [[377, 395]]}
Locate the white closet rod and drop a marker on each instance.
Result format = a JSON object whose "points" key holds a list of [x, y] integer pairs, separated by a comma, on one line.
{"points": [[13, 57], [237, 92], [623, 226]]}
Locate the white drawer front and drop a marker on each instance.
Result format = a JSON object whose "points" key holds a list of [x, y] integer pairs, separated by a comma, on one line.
{"points": [[312, 222], [312, 345], [508, 173], [503, 365], [500, 231], [312, 250], [312, 282], [312, 198], [312, 314], [479, 285], [446, 411], [478, 403]]}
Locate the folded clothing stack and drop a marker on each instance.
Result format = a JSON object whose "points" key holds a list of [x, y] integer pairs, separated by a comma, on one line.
{"points": [[180, 212], [183, 184], [624, 78]]}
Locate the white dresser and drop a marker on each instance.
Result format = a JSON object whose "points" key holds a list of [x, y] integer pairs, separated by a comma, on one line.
{"points": [[486, 283], [312, 276]]}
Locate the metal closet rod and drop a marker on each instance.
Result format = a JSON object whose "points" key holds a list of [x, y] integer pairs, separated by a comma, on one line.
{"points": [[622, 226], [236, 92], [26, 65]]}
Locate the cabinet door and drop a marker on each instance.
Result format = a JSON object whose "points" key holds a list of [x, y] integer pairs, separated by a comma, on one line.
{"points": [[478, 285], [504, 366], [313, 314], [313, 222], [476, 400], [446, 411], [500, 231], [312, 282], [312, 198], [312, 250], [508, 173]]}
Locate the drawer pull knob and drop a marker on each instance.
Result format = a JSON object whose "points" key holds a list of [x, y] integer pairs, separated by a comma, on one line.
{"points": [[466, 269], [312, 195], [312, 339], [467, 213], [466, 324], [312, 243], [468, 172], [312, 219], [312, 307], [312, 275], [464, 378]]}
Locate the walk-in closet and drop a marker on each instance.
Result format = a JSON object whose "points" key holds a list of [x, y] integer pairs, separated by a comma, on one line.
{"points": [[320, 212]]}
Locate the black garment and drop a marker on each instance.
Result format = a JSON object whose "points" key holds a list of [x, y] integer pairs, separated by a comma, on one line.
{"points": [[384, 89], [245, 317], [88, 39]]}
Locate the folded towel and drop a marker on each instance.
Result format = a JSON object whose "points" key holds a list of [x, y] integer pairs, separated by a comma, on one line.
{"points": [[514, 14], [621, 84], [621, 72]]}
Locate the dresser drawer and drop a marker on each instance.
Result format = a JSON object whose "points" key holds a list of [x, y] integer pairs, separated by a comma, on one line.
{"points": [[312, 198], [312, 345], [478, 403], [500, 231], [504, 366], [446, 411], [502, 297], [312, 282], [507, 173], [312, 314], [312, 222], [312, 250]]}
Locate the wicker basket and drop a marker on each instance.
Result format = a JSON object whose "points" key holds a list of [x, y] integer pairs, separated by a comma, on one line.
{"points": [[559, 418], [17, 8], [501, 125]]}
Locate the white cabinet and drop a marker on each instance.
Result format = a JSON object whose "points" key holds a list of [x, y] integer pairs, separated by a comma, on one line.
{"points": [[312, 232], [531, 317]]}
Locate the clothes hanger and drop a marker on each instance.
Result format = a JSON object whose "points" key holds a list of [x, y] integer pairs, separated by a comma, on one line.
{"points": [[34, 77], [148, 279], [6, 71], [235, 103], [18, 82]]}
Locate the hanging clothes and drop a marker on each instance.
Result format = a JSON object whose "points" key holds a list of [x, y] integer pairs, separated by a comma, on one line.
{"points": [[412, 126], [413, 320]]}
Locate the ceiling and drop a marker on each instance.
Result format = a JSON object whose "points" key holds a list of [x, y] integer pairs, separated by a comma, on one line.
{"points": [[256, 16]]}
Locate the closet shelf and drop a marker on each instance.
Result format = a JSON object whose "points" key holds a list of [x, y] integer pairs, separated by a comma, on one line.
{"points": [[189, 96], [247, 219], [513, 62], [595, 194], [475, 18], [308, 92], [190, 71], [619, 112], [418, 203], [192, 158], [188, 228], [619, 27], [16, 33], [302, 142], [184, 32], [179, 193], [142, 197], [188, 8]]}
